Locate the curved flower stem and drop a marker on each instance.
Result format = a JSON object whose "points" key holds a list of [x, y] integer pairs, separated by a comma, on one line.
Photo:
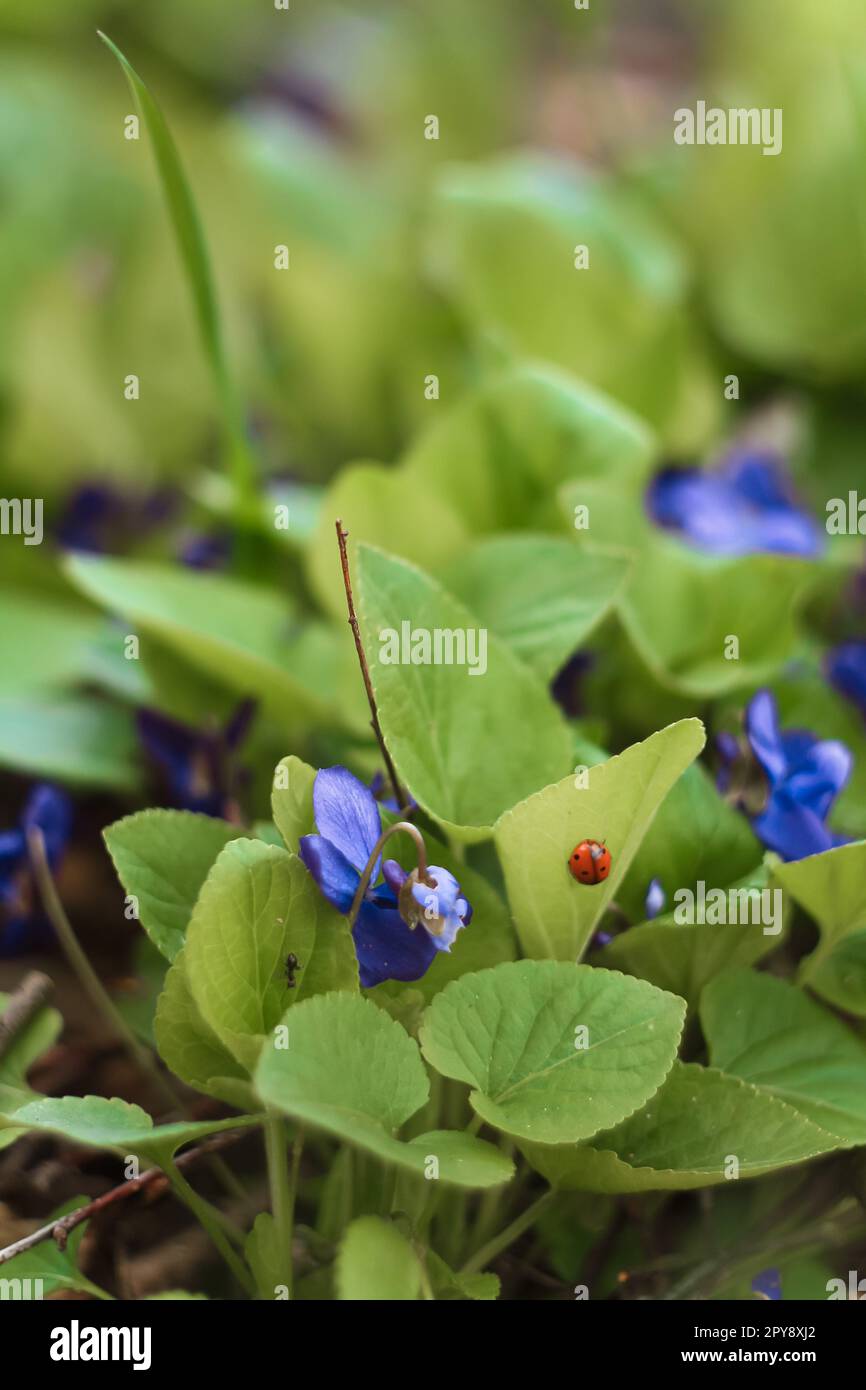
{"points": [[423, 874]]}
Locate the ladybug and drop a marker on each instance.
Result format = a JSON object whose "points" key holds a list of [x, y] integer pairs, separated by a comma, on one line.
{"points": [[589, 862]]}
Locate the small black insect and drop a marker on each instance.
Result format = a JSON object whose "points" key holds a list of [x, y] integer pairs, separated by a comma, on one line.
{"points": [[292, 964]]}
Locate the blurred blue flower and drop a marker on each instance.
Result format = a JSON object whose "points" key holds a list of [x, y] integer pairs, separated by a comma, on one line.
{"points": [[655, 899], [567, 685], [601, 938], [767, 1284], [23, 926], [846, 669], [198, 765], [387, 947], [378, 787], [744, 505], [100, 518], [802, 775], [206, 551]]}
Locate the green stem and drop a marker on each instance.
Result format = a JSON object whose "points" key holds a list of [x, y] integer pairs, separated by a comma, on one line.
{"points": [[90, 981], [494, 1203], [282, 1190], [294, 1178], [507, 1237], [101, 999], [209, 1219]]}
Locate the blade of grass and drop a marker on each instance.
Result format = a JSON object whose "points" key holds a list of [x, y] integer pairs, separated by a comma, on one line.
{"points": [[196, 263]]}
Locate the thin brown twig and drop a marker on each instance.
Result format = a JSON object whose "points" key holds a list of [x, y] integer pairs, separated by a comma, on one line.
{"points": [[152, 1178], [24, 1003], [342, 537]]}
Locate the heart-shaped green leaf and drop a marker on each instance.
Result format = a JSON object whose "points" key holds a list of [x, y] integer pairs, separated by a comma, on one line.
{"points": [[344, 1065], [162, 859], [774, 1036], [554, 914], [192, 1049], [258, 905], [684, 957], [292, 800], [115, 1124], [501, 454], [702, 1128], [451, 732], [373, 503], [831, 887], [541, 594], [237, 634], [682, 606], [554, 1051], [696, 837], [376, 1263]]}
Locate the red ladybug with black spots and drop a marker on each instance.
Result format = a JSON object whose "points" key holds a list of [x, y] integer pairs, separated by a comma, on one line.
{"points": [[589, 862]]}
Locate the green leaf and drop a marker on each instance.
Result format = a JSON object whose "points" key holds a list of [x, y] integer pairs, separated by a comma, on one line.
{"points": [[264, 1257], [191, 1049], [554, 1051], [377, 1264], [451, 733], [28, 1045], [500, 455], [696, 837], [773, 1035], [348, 1068], [196, 264], [541, 594], [831, 887], [506, 234], [267, 831], [115, 1124], [256, 906], [292, 800], [53, 1268], [37, 1036], [374, 502], [554, 914], [236, 633], [162, 859], [615, 513], [684, 958], [43, 644], [448, 1285], [686, 1137], [70, 738], [682, 606]]}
